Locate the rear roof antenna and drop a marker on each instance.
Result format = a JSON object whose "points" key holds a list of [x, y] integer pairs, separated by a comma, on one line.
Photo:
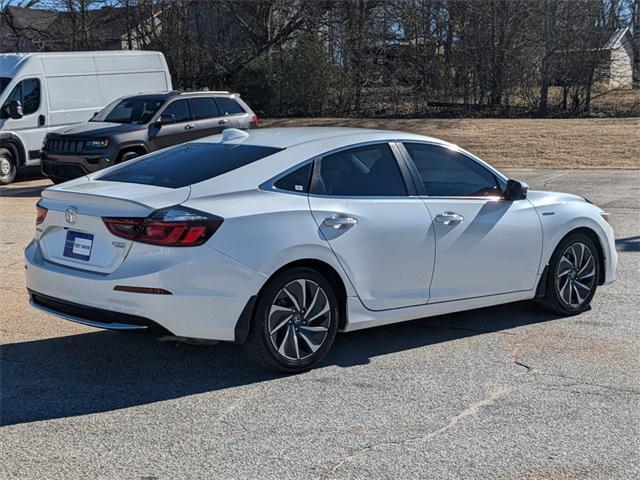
{"points": [[233, 135]]}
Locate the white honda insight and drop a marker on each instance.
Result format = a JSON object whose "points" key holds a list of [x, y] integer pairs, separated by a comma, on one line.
{"points": [[279, 238]]}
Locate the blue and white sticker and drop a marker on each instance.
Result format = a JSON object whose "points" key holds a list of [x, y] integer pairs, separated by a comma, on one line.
{"points": [[78, 245]]}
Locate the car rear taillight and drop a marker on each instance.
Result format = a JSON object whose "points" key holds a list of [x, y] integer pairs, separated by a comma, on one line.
{"points": [[255, 120], [41, 214], [173, 226]]}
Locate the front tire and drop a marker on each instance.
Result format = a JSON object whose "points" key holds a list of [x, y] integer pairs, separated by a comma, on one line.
{"points": [[295, 321], [8, 167], [126, 156], [572, 276]]}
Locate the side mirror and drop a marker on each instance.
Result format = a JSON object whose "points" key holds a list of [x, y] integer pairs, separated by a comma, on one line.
{"points": [[516, 190], [14, 109], [166, 119]]}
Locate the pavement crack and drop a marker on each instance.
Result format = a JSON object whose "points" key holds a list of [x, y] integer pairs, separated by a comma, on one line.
{"points": [[523, 365], [513, 351], [470, 410]]}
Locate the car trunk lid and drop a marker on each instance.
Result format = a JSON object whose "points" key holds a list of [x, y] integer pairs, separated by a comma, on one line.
{"points": [[73, 232]]}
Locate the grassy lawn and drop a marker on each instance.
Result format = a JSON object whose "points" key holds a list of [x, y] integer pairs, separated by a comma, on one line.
{"points": [[573, 143]]}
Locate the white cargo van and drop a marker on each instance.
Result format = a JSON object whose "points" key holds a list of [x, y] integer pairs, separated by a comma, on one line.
{"points": [[42, 92]]}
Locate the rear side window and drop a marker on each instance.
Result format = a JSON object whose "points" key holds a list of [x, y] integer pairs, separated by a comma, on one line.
{"points": [[296, 181], [187, 164], [204, 108], [371, 170], [179, 109], [448, 173], [228, 106]]}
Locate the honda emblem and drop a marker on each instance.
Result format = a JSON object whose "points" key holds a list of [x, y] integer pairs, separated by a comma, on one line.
{"points": [[71, 214]]}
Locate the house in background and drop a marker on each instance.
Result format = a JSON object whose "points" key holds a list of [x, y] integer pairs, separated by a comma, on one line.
{"points": [[620, 62]]}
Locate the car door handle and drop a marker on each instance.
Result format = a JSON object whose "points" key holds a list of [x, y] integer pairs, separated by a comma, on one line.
{"points": [[340, 222], [189, 126], [223, 122], [449, 218]]}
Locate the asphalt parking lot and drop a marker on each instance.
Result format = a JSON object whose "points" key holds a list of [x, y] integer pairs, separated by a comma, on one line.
{"points": [[504, 392]]}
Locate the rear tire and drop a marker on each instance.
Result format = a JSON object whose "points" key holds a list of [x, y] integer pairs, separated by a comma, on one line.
{"points": [[8, 167], [572, 276], [295, 321]]}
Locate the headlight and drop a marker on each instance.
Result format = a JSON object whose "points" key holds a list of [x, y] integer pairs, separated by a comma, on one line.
{"points": [[97, 143], [605, 216]]}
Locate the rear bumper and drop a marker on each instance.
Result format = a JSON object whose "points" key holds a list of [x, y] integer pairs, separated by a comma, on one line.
{"points": [[68, 167], [209, 292], [93, 317]]}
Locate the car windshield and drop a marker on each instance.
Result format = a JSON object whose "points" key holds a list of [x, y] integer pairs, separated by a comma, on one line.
{"points": [[129, 110], [4, 81]]}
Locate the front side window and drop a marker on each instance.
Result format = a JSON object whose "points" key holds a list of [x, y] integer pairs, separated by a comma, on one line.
{"points": [[129, 110], [204, 108], [371, 170], [228, 106], [448, 173], [179, 109], [27, 92]]}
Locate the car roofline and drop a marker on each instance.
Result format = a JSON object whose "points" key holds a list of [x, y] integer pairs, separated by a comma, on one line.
{"points": [[330, 132]]}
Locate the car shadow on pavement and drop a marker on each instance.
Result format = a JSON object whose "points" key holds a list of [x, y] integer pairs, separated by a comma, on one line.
{"points": [[34, 191], [628, 244], [28, 174], [104, 371]]}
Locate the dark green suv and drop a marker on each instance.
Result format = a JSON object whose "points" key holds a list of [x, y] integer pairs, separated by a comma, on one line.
{"points": [[139, 124]]}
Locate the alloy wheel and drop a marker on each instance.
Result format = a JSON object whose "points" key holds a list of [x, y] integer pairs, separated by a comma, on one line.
{"points": [[299, 319], [575, 274], [5, 166]]}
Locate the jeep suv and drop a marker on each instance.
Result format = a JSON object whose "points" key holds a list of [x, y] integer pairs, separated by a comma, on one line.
{"points": [[139, 124]]}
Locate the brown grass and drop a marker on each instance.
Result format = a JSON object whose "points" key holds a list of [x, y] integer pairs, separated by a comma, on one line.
{"points": [[536, 143]]}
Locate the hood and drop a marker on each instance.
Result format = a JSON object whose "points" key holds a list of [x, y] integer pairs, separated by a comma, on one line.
{"points": [[541, 198], [98, 129]]}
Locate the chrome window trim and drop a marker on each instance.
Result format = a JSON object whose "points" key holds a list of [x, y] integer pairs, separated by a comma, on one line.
{"points": [[491, 198], [269, 185]]}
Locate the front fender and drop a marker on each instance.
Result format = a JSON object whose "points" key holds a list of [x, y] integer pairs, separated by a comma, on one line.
{"points": [[134, 144], [14, 139], [558, 220]]}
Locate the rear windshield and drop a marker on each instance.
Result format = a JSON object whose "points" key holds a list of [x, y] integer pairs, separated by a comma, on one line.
{"points": [[188, 164]]}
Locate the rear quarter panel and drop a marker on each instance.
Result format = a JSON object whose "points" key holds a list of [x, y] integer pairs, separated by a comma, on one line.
{"points": [[267, 230]]}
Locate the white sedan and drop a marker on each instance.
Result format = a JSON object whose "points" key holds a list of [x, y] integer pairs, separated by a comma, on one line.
{"points": [[279, 238]]}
